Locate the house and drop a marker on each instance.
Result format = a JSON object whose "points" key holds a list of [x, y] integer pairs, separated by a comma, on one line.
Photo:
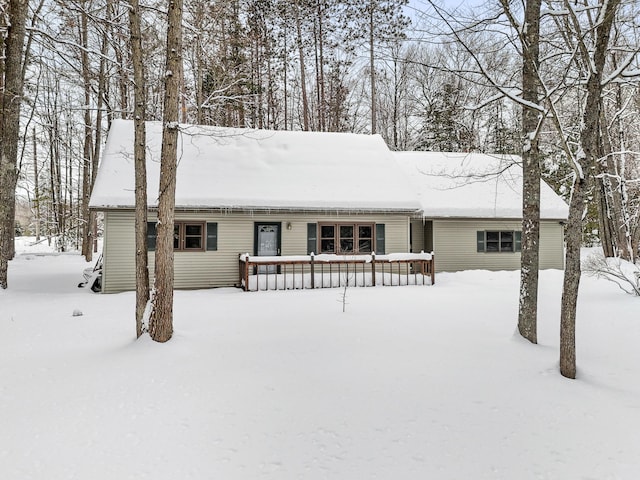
{"points": [[253, 191], [272, 193], [471, 206]]}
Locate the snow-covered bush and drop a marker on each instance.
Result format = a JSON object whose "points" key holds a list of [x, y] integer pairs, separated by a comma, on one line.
{"points": [[624, 274]]}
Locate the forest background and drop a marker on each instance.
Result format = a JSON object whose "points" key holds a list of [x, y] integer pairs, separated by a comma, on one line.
{"points": [[422, 75]]}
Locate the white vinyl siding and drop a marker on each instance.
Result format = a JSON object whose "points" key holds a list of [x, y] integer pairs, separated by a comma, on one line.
{"points": [[235, 235], [455, 245]]}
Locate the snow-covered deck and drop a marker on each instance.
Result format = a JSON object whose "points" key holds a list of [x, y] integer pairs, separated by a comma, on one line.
{"points": [[329, 271]]}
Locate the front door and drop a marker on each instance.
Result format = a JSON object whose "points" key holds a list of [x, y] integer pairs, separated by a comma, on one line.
{"points": [[267, 243]]}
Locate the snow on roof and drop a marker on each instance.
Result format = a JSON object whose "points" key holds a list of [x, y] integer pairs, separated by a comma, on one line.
{"points": [[257, 169], [473, 185]]}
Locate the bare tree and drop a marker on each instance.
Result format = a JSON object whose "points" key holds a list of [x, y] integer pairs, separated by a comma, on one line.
{"points": [[376, 22], [139, 152], [303, 81], [12, 58], [394, 97], [568, 87], [88, 150], [529, 98], [618, 216], [586, 161], [97, 144], [161, 321], [529, 33]]}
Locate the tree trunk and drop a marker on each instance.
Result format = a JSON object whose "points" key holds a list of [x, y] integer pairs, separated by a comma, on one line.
{"points": [[87, 241], [11, 99], [572, 273], [396, 100], [528, 301], [591, 146], [605, 222], [54, 183], [322, 102], [123, 79], [97, 144], [36, 186], [284, 78], [271, 100], [161, 322], [199, 73], [303, 80], [372, 69], [139, 153], [613, 207]]}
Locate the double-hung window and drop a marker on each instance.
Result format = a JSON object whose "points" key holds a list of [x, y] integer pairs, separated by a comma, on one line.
{"points": [[499, 241]]}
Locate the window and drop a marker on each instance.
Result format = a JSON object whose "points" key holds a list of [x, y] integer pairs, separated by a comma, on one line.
{"points": [[191, 236], [328, 239], [188, 236], [346, 238], [365, 238], [347, 234], [499, 241]]}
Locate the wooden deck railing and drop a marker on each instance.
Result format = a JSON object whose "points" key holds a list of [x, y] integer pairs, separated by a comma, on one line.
{"points": [[328, 271]]}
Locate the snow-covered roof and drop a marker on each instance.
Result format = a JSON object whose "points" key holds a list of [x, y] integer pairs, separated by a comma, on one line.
{"points": [[473, 185], [232, 168], [258, 169]]}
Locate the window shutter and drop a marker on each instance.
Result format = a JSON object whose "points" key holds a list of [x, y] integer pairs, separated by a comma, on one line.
{"points": [[517, 241], [480, 240], [212, 236], [151, 236], [312, 238], [380, 247]]}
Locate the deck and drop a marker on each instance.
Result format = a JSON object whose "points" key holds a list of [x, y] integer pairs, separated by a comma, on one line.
{"points": [[331, 271]]}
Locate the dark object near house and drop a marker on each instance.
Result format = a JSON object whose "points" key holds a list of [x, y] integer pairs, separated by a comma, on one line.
{"points": [[93, 277]]}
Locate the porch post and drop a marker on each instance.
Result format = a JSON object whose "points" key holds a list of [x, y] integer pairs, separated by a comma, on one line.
{"points": [[246, 273], [373, 269], [433, 269]]}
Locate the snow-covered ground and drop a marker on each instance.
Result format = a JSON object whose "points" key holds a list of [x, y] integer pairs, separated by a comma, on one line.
{"points": [[409, 383]]}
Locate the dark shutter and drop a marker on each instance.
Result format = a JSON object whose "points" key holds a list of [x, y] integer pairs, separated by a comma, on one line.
{"points": [[517, 241], [380, 248], [312, 238], [480, 240], [212, 236], [151, 236]]}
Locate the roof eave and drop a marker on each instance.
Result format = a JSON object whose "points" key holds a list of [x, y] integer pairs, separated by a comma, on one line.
{"points": [[268, 210]]}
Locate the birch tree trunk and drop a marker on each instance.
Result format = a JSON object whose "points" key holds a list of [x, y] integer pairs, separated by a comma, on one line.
{"points": [[161, 321], [139, 153]]}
